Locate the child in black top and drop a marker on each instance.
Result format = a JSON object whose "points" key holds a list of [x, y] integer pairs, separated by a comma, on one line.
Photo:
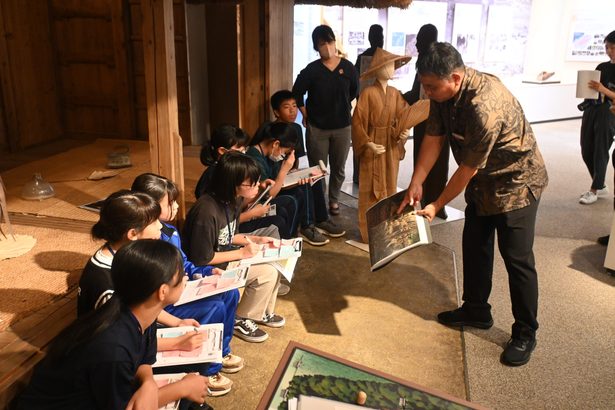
{"points": [[210, 238], [165, 192], [254, 218], [124, 217], [103, 360], [273, 150]]}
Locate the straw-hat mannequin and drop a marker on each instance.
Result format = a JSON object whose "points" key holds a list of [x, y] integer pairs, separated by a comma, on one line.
{"points": [[380, 126]]}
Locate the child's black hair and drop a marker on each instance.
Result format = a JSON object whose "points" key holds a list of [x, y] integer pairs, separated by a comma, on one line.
{"points": [[276, 131], [225, 136], [138, 270], [279, 97], [610, 38], [230, 172], [122, 211], [322, 33], [155, 186]]}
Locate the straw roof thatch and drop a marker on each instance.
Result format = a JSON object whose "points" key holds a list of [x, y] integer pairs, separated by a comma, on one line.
{"points": [[378, 4]]}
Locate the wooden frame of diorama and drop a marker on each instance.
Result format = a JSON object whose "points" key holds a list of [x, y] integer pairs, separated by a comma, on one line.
{"points": [[274, 387]]}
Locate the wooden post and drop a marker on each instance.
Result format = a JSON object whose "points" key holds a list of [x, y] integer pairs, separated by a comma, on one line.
{"points": [[251, 64], [126, 111], [166, 151], [6, 85], [278, 49]]}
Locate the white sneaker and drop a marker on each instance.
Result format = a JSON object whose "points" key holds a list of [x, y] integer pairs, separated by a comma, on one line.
{"points": [[588, 198], [603, 192]]}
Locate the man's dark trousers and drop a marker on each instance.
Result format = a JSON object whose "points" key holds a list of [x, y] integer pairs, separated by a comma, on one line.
{"points": [[515, 241]]}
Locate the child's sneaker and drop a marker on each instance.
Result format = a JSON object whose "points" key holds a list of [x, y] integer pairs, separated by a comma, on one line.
{"points": [[231, 363], [272, 320], [283, 289], [313, 237], [330, 228], [247, 330], [218, 385]]}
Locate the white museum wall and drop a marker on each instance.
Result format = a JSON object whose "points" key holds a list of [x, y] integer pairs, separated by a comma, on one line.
{"points": [[547, 49], [549, 31], [546, 46]]}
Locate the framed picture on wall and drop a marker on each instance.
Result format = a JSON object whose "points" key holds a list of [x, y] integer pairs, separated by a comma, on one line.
{"points": [[586, 37], [310, 378]]}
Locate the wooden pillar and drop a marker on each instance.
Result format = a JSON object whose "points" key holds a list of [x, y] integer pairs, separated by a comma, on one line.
{"points": [[279, 33], [166, 152], [265, 50], [251, 64]]}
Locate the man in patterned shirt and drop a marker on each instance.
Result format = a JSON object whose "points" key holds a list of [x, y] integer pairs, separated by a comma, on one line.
{"points": [[503, 174]]}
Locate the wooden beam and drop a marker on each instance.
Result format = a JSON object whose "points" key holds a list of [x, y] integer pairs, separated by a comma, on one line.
{"points": [[251, 63], [278, 49], [166, 150], [125, 86], [7, 84]]}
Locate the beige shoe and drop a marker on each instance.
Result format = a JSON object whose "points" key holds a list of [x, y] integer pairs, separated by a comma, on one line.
{"points": [[283, 289], [218, 385], [231, 363]]}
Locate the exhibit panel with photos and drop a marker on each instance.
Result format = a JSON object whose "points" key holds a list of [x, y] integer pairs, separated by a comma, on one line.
{"points": [[490, 34]]}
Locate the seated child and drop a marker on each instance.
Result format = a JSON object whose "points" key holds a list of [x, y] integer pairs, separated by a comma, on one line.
{"points": [[254, 220], [210, 238], [165, 193], [125, 217], [273, 149], [285, 109], [103, 359]]}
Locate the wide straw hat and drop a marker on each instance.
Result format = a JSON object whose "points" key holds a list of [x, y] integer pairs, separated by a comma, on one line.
{"points": [[381, 58]]}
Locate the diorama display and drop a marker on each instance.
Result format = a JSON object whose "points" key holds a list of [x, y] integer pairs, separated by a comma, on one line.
{"points": [[304, 371]]}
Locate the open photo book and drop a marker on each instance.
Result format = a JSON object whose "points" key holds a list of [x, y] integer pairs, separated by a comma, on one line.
{"points": [[165, 379], [282, 254], [391, 234], [315, 173], [210, 350], [211, 285]]}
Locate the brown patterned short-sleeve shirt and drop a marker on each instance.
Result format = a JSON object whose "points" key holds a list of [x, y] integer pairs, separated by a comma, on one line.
{"points": [[487, 129]]}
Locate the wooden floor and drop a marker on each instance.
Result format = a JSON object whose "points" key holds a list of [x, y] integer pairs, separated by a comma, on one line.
{"points": [[66, 165], [21, 346], [334, 302]]}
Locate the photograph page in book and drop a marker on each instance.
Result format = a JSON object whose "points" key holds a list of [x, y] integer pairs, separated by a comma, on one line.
{"points": [[263, 198], [286, 267], [164, 379], [391, 234], [93, 206], [282, 254], [315, 173], [279, 249], [211, 285], [210, 350]]}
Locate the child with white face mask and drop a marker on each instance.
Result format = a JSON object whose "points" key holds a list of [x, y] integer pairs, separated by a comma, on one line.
{"points": [[273, 150]]}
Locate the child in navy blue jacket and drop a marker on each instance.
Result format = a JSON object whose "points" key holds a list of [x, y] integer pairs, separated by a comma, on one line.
{"points": [[165, 192]]}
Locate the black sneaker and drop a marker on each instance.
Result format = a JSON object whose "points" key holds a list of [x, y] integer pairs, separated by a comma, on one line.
{"points": [[460, 317], [313, 237], [517, 352], [247, 330], [272, 320], [604, 240], [329, 228]]}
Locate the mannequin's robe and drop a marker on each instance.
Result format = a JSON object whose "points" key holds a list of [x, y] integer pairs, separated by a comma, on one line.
{"points": [[381, 118]]}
